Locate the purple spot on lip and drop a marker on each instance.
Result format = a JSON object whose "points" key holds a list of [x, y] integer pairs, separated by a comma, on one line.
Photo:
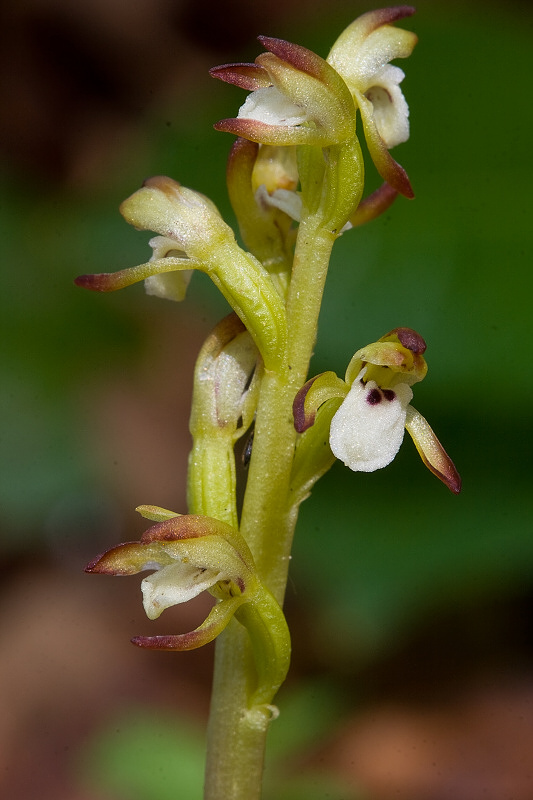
{"points": [[389, 395], [374, 397]]}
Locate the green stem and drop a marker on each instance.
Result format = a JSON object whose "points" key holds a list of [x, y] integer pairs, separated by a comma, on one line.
{"points": [[237, 734], [268, 519]]}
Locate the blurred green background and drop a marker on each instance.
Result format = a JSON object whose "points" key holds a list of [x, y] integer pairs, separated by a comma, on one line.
{"points": [[398, 589]]}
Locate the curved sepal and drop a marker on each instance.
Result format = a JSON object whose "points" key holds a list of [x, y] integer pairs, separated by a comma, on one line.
{"points": [[431, 451], [312, 395], [388, 168], [217, 619], [374, 205], [196, 526], [112, 281], [369, 43], [246, 76], [313, 456]]}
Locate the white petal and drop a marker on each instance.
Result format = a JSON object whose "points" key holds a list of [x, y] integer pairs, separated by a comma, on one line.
{"points": [[169, 285], [163, 247], [284, 199], [175, 584], [229, 377], [367, 430], [269, 105], [391, 112]]}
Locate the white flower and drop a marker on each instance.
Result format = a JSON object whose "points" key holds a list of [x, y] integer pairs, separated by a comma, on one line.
{"points": [[367, 430]]}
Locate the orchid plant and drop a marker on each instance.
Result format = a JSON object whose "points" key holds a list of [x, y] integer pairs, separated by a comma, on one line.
{"points": [[295, 179]]}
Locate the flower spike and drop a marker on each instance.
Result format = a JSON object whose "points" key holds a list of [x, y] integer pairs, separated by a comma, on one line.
{"points": [[215, 622]]}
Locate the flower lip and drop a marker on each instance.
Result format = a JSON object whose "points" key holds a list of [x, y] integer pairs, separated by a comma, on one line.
{"points": [[368, 429]]}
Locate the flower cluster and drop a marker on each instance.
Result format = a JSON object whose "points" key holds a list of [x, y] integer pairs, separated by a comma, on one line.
{"points": [[295, 180], [299, 98]]}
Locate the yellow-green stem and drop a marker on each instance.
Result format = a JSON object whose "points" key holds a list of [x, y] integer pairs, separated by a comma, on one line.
{"points": [[236, 738]]}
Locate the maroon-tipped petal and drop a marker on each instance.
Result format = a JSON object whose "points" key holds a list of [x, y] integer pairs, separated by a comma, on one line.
{"points": [[445, 471], [374, 205], [262, 132], [93, 566], [386, 16], [296, 55], [124, 559], [246, 76], [431, 450], [98, 282], [186, 526], [398, 178]]}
